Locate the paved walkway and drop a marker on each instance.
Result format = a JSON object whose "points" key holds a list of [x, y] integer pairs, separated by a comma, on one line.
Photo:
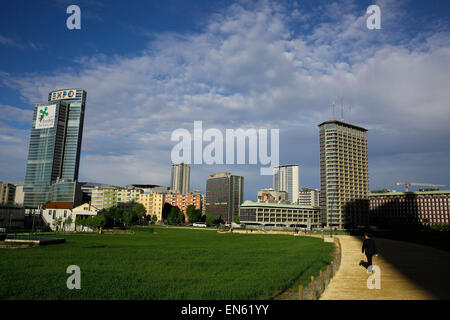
{"points": [[408, 272]]}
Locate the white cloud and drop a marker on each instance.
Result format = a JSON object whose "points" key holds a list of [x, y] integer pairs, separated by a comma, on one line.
{"points": [[248, 68]]}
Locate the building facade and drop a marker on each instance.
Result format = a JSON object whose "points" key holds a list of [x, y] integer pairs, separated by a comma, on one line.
{"points": [[104, 197], [344, 179], [308, 197], [19, 195], [153, 203], [182, 201], [66, 214], [409, 209], [286, 178], [272, 196], [279, 215], [7, 193], [181, 178], [224, 195]]}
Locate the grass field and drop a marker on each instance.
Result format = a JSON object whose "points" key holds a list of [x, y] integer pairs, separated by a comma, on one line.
{"points": [[169, 264]]}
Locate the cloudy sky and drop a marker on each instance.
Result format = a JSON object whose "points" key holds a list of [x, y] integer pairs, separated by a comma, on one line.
{"points": [[150, 67]]}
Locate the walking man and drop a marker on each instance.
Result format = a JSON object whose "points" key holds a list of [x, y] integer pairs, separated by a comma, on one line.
{"points": [[370, 249]]}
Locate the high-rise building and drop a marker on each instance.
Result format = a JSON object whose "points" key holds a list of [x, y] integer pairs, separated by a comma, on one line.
{"points": [[76, 98], [180, 177], [224, 195], [55, 144], [286, 178], [308, 197], [46, 151], [344, 179]]}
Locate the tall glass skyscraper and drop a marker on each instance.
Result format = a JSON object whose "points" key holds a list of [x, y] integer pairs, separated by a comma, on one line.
{"points": [[72, 147], [55, 145]]}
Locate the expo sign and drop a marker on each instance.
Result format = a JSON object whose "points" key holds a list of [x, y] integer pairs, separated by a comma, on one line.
{"points": [[63, 94]]}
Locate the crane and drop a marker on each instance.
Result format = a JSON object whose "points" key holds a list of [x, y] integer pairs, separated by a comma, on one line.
{"points": [[408, 184]]}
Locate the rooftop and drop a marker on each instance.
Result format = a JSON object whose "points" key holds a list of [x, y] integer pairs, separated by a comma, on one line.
{"points": [[249, 203], [343, 124], [434, 192]]}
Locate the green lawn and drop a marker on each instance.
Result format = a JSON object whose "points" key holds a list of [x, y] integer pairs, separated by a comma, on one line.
{"points": [[170, 264]]}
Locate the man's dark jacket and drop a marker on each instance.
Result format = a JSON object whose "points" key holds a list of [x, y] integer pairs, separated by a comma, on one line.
{"points": [[369, 247]]}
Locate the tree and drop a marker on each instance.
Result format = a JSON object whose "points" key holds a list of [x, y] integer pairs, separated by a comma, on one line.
{"points": [[237, 219], [130, 217], [194, 215], [154, 218], [100, 222], [209, 219], [174, 216], [114, 214], [57, 223], [68, 221], [139, 211]]}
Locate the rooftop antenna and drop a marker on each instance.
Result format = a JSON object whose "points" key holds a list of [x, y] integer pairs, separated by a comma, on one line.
{"points": [[334, 116], [342, 109], [349, 114]]}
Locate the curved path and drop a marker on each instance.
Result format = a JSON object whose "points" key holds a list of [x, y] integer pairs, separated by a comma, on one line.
{"points": [[408, 272]]}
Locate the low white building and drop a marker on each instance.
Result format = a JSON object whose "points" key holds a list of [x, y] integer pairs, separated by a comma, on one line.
{"points": [[68, 215]]}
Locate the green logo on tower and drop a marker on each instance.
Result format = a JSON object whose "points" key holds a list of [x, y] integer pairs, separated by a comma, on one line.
{"points": [[45, 117]]}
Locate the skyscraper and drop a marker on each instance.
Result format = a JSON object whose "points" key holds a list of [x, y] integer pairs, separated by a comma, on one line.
{"points": [[286, 178], [72, 145], [55, 145], [180, 178], [224, 195], [46, 151], [344, 179]]}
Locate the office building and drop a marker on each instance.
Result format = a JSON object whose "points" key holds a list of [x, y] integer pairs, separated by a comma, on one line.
{"points": [[66, 191], [344, 180], [180, 178], [55, 144], [46, 151], [76, 99], [409, 209], [308, 197], [286, 178], [272, 196], [279, 215], [224, 195]]}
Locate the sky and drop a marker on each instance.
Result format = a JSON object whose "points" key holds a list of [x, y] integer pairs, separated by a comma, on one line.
{"points": [[151, 67]]}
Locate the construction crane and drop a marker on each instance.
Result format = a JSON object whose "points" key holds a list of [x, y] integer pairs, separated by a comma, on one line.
{"points": [[408, 184]]}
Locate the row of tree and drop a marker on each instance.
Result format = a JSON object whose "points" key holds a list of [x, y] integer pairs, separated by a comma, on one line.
{"points": [[115, 217]]}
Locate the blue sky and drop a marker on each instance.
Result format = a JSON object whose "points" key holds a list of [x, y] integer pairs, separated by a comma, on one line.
{"points": [[150, 67]]}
